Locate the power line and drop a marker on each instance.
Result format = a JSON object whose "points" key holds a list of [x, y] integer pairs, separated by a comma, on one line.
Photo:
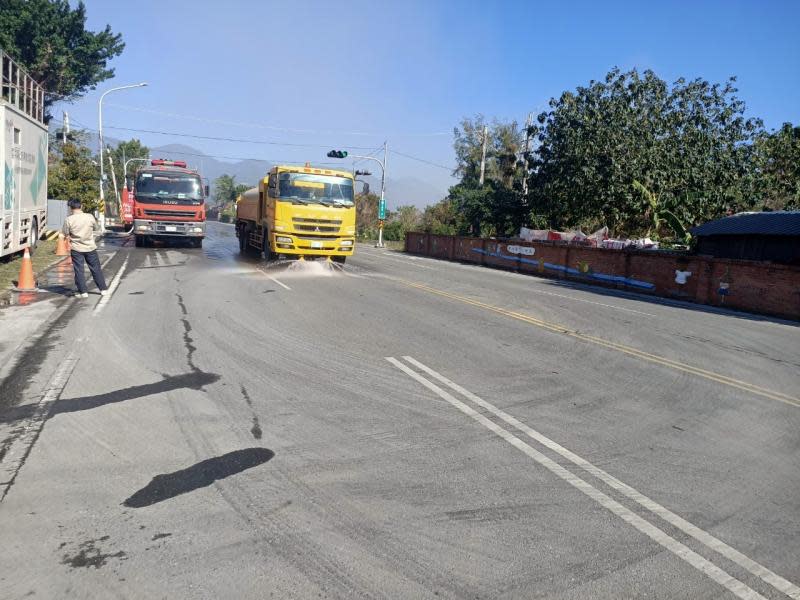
{"points": [[271, 127], [269, 160], [422, 160], [217, 138], [372, 150], [225, 139]]}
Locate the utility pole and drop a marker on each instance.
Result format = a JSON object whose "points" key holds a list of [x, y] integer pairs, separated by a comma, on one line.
{"points": [[382, 203], [113, 176], [65, 130], [526, 149], [483, 152], [102, 147]]}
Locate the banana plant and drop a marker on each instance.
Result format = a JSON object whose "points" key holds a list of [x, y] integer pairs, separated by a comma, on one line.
{"points": [[658, 214]]}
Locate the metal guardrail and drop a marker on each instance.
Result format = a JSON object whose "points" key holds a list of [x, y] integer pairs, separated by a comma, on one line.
{"points": [[19, 89]]}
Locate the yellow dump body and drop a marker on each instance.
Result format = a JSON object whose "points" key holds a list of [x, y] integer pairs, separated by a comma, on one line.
{"points": [[299, 211]]}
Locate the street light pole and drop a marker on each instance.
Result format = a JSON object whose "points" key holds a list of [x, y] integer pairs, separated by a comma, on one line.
{"points": [[129, 161], [102, 146], [382, 201], [382, 205]]}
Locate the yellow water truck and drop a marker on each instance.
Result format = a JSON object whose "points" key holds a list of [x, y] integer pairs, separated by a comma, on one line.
{"points": [[298, 212]]}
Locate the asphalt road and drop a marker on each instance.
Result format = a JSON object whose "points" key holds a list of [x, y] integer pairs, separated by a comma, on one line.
{"points": [[403, 428]]}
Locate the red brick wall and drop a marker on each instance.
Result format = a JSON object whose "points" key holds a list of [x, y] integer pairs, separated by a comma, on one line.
{"points": [[752, 286]]}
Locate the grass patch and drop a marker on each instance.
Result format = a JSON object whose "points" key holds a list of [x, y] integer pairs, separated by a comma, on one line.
{"points": [[43, 257], [390, 244]]}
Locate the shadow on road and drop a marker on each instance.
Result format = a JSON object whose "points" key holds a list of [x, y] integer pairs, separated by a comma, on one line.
{"points": [[200, 475], [194, 381]]}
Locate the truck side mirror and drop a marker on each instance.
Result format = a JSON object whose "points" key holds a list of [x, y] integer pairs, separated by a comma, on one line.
{"points": [[205, 189], [128, 182]]}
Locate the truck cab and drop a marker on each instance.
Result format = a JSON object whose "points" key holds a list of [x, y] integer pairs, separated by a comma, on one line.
{"points": [[299, 212], [168, 203]]}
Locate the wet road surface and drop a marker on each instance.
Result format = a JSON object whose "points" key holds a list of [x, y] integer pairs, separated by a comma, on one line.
{"points": [[402, 427]]}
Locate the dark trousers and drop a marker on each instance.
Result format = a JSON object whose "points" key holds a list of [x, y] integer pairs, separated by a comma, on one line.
{"points": [[91, 259]]}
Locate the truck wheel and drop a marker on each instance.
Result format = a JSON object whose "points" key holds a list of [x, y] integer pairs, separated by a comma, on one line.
{"points": [[339, 259], [139, 241], [33, 235], [197, 242], [242, 241]]}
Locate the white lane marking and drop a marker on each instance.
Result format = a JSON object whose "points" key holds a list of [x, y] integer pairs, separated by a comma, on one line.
{"points": [[680, 550], [776, 581], [638, 312], [475, 267], [404, 262], [283, 285], [19, 449], [111, 288]]}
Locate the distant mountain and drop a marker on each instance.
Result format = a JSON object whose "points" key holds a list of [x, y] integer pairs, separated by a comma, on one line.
{"points": [[399, 191], [245, 171]]}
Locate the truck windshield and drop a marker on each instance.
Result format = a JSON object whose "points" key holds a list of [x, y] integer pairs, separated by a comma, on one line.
{"points": [[308, 188], [180, 187]]}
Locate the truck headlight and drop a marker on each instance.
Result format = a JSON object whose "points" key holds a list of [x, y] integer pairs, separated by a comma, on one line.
{"points": [[283, 239], [143, 227], [347, 242], [197, 229]]}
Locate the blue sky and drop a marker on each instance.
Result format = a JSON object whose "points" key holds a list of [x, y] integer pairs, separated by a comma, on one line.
{"points": [[351, 74]]}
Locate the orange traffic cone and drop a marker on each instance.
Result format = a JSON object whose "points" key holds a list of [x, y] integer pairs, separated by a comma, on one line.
{"points": [[62, 247], [26, 282]]}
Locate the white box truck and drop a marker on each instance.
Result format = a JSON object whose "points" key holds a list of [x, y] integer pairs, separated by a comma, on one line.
{"points": [[23, 158]]}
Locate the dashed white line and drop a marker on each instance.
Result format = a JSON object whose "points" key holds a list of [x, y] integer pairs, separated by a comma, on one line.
{"points": [[280, 283], [776, 581], [111, 288], [680, 550]]}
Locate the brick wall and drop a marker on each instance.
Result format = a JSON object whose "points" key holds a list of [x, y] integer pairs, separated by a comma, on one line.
{"points": [[757, 287]]}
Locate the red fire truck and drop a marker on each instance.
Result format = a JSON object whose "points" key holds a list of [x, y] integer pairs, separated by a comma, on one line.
{"points": [[166, 200]]}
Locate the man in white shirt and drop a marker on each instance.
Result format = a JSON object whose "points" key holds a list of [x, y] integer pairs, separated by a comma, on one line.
{"points": [[80, 228]]}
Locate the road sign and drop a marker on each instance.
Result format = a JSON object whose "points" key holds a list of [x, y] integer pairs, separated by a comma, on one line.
{"points": [[382, 209]]}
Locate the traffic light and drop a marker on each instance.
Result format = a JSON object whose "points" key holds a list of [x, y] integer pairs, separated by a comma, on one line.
{"points": [[337, 154], [364, 173]]}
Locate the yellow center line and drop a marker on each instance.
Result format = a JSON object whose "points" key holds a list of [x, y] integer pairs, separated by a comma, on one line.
{"points": [[653, 358]]}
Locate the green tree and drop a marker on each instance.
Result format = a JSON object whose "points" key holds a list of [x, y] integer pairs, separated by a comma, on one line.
{"points": [[366, 216], [401, 221], [777, 158], [73, 173], [49, 39], [442, 218], [689, 144], [225, 189], [497, 207], [240, 188], [124, 152]]}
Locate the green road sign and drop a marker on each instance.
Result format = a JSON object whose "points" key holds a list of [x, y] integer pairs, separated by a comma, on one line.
{"points": [[382, 209]]}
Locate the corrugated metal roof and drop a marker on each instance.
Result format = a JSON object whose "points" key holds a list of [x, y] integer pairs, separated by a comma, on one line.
{"points": [[779, 222]]}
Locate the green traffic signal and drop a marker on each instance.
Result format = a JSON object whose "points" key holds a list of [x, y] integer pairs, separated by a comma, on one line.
{"points": [[337, 154]]}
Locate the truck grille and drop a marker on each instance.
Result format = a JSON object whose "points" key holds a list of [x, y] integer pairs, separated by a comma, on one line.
{"points": [[169, 213], [317, 221], [316, 228]]}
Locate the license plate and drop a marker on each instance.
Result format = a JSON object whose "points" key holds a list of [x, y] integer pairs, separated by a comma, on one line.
{"points": [[170, 228], [316, 244]]}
